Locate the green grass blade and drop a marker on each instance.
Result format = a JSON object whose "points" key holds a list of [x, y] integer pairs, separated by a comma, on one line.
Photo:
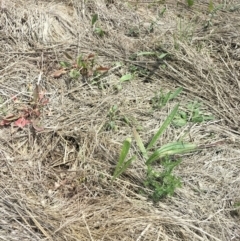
{"points": [[94, 18], [163, 127], [166, 98], [176, 93], [140, 144], [146, 54], [125, 149], [123, 168], [171, 149], [80, 61], [163, 55], [190, 3]]}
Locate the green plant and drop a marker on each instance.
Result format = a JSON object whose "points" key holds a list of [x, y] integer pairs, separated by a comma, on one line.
{"points": [[123, 164], [194, 113], [157, 55], [28, 113], [98, 30], [162, 183], [138, 71], [84, 66], [126, 77], [212, 13], [112, 115], [161, 99], [190, 3], [133, 32], [185, 31]]}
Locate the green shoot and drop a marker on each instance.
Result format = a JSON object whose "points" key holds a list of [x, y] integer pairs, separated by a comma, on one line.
{"points": [[194, 113], [163, 127], [140, 144], [126, 77], [122, 164], [190, 3], [162, 183], [161, 99], [171, 149], [94, 18]]}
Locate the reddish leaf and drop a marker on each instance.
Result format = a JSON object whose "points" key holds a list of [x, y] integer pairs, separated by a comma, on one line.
{"points": [[59, 73], [44, 101], [14, 98], [101, 68], [5, 123], [21, 122], [90, 56], [8, 120]]}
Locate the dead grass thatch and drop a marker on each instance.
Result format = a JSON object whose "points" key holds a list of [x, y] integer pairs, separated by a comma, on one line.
{"points": [[55, 183]]}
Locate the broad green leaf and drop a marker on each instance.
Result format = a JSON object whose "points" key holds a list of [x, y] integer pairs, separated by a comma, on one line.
{"points": [[94, 18], [179, 122], [164, 126], [126, 77], [99, 31], [140, 143], [171, 149], [74, 74]]}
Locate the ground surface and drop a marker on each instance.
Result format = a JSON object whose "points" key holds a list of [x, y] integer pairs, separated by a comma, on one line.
{"points": [[55, 172]]}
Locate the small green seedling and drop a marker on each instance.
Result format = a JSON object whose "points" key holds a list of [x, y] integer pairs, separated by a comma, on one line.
{"points": [[161, 99], [190, 3], [126, 77], [138, 71], [133, 32], [163, 183], [166, 150], [123, 163], [212, 10], [98, 30], [194, 113], [84, 66], [112, 115]]}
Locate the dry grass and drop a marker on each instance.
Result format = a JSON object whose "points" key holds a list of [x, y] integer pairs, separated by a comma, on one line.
{"points": [[55, 184]]}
